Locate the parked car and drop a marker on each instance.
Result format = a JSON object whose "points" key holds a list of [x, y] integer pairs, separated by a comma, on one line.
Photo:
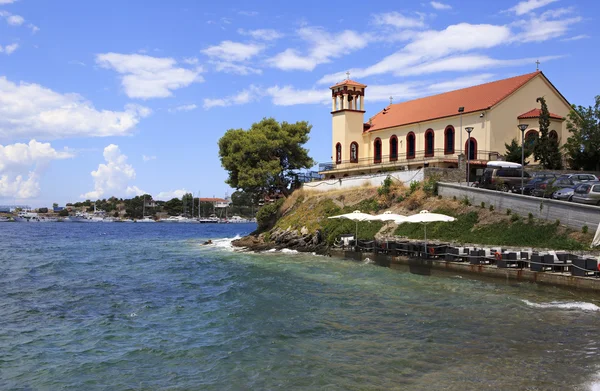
{"points": [[581, 177], [563, 194], [502, 178], [547, 187], [587, 193], [529, 185]]}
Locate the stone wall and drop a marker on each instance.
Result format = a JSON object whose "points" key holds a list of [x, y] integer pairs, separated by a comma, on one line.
{"points": [[364, 180], [446, 174], [571, 214]]}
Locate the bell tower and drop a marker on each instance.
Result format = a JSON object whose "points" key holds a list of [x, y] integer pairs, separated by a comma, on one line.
{"points": [[347, 111]]}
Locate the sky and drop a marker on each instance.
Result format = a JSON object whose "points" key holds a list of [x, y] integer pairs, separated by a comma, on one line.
{"points": [[120, 98]]}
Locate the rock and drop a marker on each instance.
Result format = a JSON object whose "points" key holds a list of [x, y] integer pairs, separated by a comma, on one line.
{"points": [[304, 231]]}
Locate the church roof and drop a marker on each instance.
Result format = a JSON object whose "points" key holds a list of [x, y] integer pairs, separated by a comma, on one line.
{"points": [[349, 82], [535, 113], [473, 99]]}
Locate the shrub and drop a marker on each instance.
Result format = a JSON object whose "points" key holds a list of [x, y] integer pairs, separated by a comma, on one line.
{"points": [[530, 217], [454, 198], [268, 215], [557, 222], [430, 185], [508, 212], [514, 218], [414, 186], [386, 187], [466, 201], [584, 229], [482, 205], [491, 208], [401, 198]]}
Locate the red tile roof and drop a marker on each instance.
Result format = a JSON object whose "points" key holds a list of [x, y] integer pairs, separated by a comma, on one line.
{"points": [[535, 113], [476, 98], [349, 82]]}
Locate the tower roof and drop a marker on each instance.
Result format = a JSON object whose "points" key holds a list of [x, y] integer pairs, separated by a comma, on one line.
{"points": [[348, 82], [535, 113], [476, 98]]}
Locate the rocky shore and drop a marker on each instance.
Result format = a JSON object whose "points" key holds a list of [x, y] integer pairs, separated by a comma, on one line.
{"points": [[279, 239]]}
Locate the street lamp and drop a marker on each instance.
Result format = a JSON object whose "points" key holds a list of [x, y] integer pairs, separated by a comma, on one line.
{"points": [[522, 128], [469, 129]]}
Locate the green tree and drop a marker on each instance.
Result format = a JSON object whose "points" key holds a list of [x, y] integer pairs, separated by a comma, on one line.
{"points": [[263, 158], [583, 146], [513, 151], [546, 150], [173, 207], [187, 201], [54, 205]]}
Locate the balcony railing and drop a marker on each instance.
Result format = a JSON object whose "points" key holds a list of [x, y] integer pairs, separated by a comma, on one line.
{"points": [[402, 159]]}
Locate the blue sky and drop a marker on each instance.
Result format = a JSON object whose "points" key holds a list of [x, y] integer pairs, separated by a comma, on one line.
{"points": [[103, 98]]}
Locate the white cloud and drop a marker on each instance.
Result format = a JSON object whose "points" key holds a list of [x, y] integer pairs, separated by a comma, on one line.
{"points": [[15, 20], [146, 158], [323, 46], [3, 2], [168, 195], [189, 107], [576, 38], [233, 51], [21, 166], [248, 13], [248, 95], [398, 20], [547, 26], [9, 49], [148, 77], [440, 6], [289, 96], [30, 110], [112, 178], [34, 28], [262, 34], [430, 45], [190, 61], [527, 6], [230, 67]]}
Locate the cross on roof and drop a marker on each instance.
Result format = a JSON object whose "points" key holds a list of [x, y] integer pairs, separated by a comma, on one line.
{"points": [[537, 65], [391, 100], [348, 75]]}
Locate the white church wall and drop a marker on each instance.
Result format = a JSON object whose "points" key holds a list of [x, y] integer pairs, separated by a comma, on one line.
{"points": [[364, 180]]}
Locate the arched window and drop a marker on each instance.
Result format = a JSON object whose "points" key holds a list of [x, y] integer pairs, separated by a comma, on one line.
{"points": [[410, 146], [530, 138], [377, 150], [449, 140], [393, 148], [338, 153], [429, 138], [354, 152], [471, 152], [553, 135]]}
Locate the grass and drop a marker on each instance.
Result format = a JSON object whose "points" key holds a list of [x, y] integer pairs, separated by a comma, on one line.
{"points": [[516, 233]]}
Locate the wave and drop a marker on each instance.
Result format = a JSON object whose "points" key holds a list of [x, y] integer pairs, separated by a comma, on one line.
{"points": [[224, 243], [287, 250], [565, 305]]}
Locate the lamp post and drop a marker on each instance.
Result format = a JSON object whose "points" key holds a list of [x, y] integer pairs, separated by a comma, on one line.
{"points": [[522, 128], [469, 129]]}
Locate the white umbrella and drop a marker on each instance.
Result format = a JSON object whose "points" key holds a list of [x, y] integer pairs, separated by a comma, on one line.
{"points": [[357, 216], [389, 216], [424, 217]]}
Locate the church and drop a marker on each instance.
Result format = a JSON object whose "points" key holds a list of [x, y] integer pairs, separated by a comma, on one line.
{"points": [[441, 130]]}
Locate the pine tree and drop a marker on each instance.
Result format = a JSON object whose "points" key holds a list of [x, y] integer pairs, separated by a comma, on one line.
{"points": [[513, 151], [546, 150]]}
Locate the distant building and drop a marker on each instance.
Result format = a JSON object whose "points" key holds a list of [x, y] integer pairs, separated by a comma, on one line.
{"points": [[217, 202]]}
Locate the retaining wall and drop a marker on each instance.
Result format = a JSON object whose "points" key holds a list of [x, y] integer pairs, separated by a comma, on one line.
{"points": [[364, 180], [571, 214]]}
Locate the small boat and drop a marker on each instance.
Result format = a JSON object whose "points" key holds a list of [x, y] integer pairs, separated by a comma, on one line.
{"points": [[31, 217], [146, 219]]}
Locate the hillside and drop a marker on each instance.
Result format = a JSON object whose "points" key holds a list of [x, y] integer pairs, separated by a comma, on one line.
{"points": [[302, 220]]}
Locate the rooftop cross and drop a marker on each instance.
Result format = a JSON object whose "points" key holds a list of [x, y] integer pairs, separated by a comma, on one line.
{"points": [[391, 100], [348, 75], [537, 65]]}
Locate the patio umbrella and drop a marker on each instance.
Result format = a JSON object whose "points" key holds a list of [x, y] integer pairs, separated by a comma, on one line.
{"points": [[357, 216], [389, 216], [425, 217]]}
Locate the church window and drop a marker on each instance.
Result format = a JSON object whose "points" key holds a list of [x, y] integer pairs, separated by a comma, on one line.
{"points": [[410, 146], [338, 153], [354, 152], [553, 135], [429, 138], [449, 140], [531, 137], [393, 148], [377, 150], [471, 151]]}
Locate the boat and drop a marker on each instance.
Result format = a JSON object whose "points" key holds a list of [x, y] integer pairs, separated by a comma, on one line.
{"points": [[32, 217], [4, 219], [146, 219], [237, 219]]}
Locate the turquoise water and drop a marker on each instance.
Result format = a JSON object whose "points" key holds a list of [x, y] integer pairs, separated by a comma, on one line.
{"points": [[147, 307]]}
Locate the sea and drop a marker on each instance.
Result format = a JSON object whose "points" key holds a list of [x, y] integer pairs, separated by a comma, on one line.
{"points": [[150, 307]]}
